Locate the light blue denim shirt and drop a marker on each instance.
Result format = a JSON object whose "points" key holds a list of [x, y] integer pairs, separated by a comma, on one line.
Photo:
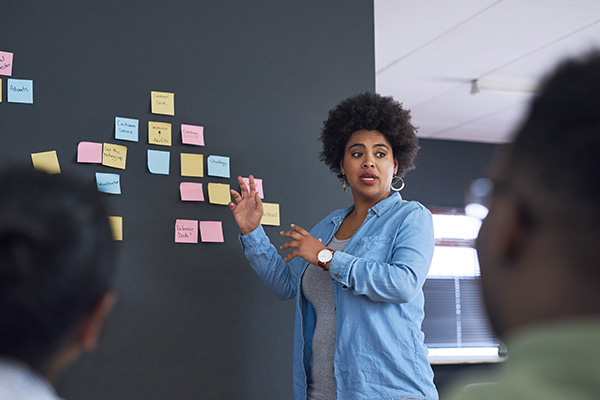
{"points": [[377, 281]]}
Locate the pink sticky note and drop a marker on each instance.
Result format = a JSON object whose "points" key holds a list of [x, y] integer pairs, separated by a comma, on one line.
{"points": [[192, 134], [6, 63], [191, 191], [258, 184], [211, 231], [89, 152], [186, 231]]}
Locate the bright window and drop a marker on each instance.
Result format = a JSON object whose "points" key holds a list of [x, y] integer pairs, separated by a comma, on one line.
{"points": [[456, 326]]}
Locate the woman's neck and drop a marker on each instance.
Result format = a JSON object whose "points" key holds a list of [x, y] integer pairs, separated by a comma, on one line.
{"points": [[362, 205]]}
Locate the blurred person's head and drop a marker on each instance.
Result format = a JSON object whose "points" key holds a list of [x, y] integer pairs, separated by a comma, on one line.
{"points": [[539, 247], [56, 268]]}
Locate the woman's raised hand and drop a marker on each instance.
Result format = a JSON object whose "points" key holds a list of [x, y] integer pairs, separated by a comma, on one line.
{"points": [[247, 209]]}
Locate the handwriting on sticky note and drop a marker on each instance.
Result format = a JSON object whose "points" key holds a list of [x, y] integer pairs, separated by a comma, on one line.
{"points": [[19, 91], [159, 133], [46, 161], [218, 166], [6, 63], [108, 183], [219, 193], [211, 231], [127, 129], [191, 134], [270, 214], [163, 103], [192, 165], [89, 152], [186, 231], [114, 155], [258, 186], [116, 226], [191, 191]]}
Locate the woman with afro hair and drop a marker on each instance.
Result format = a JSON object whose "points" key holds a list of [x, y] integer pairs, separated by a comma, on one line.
{"points": [[357, 276]]}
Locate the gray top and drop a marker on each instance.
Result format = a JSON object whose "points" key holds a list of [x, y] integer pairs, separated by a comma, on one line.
{"points": [[316, 287]]}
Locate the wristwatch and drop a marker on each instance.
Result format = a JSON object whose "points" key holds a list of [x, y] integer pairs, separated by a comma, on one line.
{"points": [[324, 257]]}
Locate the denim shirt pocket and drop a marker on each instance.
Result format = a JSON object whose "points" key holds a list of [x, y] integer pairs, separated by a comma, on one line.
{"points": [[376, 248]]}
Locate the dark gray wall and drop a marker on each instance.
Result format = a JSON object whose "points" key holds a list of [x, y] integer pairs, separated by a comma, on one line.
{"points": [[194, 321], [444, 170]]}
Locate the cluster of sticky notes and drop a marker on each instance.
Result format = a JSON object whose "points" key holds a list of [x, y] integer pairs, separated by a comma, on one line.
{"points": [[107, 154], [188, 231], [17, 90], [192, 165]]}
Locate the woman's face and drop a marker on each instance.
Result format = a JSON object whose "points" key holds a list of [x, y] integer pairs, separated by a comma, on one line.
{"points": [[369, 165]]}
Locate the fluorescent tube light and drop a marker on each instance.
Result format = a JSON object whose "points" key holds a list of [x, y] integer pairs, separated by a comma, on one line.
{"points": [[502, 87]]}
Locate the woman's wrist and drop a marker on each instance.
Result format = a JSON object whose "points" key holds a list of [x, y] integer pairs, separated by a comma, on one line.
{"points": [[248, 230]]}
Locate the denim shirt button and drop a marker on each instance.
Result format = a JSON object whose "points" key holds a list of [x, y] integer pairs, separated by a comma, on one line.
{"points": [[344, 287]]}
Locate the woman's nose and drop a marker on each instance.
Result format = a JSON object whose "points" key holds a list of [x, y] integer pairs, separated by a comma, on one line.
{"points": [[368, 164]]}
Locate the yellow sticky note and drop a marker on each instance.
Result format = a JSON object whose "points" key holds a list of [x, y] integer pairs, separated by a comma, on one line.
{"points": [[116, 225], [46, 161], [192, 165], [163, 103], [219, 193], [270, 214], [159, 133], [114, 155]]}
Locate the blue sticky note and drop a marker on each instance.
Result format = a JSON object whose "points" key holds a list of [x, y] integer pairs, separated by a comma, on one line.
{"points": [[158, 162], [218, 166], [126, 129], [108, 183], [19, 91]]}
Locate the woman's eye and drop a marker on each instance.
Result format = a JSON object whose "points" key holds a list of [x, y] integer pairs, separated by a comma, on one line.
{"points": [[356, 154], [380, 154]]}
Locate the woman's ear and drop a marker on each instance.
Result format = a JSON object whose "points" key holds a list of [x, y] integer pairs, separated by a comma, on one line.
{"points": [[342, 167]]}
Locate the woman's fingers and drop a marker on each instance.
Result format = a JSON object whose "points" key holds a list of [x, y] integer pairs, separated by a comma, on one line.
{"points": [[236, 196], [300, 230], [291, 255], [243, 187], [291, 244]]}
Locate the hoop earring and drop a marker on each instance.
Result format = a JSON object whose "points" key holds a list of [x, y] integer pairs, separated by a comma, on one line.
{"points": [[395, 179], [344, 180]]}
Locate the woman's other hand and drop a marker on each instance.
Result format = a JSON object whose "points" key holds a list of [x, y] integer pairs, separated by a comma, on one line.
{"points": [[247, 209], [304, 245]]}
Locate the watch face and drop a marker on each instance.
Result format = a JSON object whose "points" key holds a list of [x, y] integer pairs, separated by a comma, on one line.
{"points": [[325, 256]]}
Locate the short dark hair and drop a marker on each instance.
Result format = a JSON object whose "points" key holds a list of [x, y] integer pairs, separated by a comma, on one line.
{"points": [[559, 141], [56, 260], [372, 112]]}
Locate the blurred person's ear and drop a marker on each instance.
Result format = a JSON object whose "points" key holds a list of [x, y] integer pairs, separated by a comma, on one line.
{"points": [[92, 326], [507, 238]]}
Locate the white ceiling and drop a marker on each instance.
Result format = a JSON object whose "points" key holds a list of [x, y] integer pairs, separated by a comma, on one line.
{"points": [[428, 52]]}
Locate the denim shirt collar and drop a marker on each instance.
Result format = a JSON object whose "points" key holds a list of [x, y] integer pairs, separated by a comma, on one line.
{"points": [[379, 209]]}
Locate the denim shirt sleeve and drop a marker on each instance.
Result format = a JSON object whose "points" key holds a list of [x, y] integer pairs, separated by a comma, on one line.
{"points": [[400, 278], [269, 265]]}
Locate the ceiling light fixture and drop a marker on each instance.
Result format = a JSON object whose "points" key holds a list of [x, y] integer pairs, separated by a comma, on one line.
{"points": [[502, 87]]}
